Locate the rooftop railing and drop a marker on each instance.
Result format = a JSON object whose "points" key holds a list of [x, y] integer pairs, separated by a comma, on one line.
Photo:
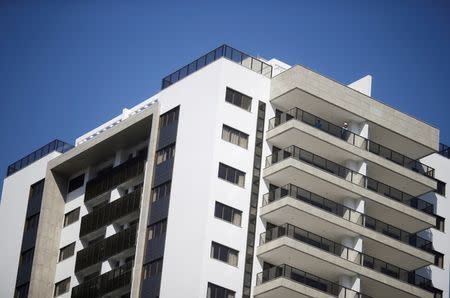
{"points": [[444, 150], [350, 175], [55, 145], [347, 214], [307, 279], [352, 138], [224, 51], [349, 254]]}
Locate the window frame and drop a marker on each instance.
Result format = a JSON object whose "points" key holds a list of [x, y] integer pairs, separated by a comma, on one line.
{"points": [[148, 269], [66, 216], [77, 184], [220, 249], [62, 257], [231, 98], [231, 172], [240, 135], [234, 211], [157, 229], [213, 287], [55, 294]]}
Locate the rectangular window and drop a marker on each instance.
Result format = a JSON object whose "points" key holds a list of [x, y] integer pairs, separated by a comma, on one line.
{"points": [[26, 257], [157, 229], [62, 287], [66, 252], [36, 189], [31, 222], [440, 188], [168, 118], [224, 253], [238, 99], [231, 174], [215, 291], [153, 268], [228, 213], [234, 136], [71, 217], [21, 291], [165, 153], [161, 191], [75, 183]]}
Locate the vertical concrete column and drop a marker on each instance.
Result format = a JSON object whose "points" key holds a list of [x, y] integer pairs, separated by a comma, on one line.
{"points": [[351, 282], [361, 129]]}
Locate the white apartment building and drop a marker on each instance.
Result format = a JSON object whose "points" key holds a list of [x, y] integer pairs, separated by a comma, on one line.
{"points": [[242, 177]]}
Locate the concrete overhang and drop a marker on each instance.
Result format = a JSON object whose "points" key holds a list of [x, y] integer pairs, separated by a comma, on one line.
{"points": [[303, 88], [131, 130], [285, 288]]}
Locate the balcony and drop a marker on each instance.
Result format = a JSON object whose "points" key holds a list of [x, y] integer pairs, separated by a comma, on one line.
{"points": [[315, 286], [351, 176], [119, 243], [348, 214], [104, 284], [353, 139], [352, 262], [120, 209], [114, 177]]}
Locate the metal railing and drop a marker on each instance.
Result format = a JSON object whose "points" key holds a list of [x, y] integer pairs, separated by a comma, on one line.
{"points": [[111, 212], [350, 175], [55, 145], [444, 150], [349, 254], [352, 138], [114, 177], [105, 283], [225, 51], [347, 213], [106, 248], [307, 279]]}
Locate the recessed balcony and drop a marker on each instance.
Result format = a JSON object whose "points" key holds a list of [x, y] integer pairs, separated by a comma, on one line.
{"points": [[294, 165], [319, 255]]}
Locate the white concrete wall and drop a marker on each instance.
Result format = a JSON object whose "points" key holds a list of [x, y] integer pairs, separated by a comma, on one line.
{"points": [[13, 208], [191, 227], [441, 240]]}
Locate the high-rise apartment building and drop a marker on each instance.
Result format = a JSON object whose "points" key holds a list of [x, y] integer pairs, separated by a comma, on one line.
{"points": [[242, 177]]}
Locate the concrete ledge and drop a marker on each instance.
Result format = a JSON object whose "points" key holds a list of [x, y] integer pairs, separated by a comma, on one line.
{"points": [[283, 287]]}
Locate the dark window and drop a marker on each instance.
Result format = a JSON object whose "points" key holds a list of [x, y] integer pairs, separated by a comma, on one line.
{"points": [[231, 174], [234, 136], [143, 152], [26, 257], [228, 213], [76, 183], [441, 188], [66, 252], [168, 118], [36, 189], [153, 268], [215, 291], [21, 291], [165, 153], [157, 229], [224, 253], [31, 222], [62, 287], [238, 99], [161, 191], [71, 216]]}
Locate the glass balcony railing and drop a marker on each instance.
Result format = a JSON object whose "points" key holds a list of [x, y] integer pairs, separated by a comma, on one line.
{"points": [[224, 51], [111, 212], [114, 177], [444, 150], [56, 145], [307, 279], [349, 254], [106, 248], [351, 176], [352, 138], [106, 283], [347, 214]]}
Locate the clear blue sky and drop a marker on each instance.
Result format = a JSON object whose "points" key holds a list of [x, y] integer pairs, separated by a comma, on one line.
{"points": [[68, 66]]}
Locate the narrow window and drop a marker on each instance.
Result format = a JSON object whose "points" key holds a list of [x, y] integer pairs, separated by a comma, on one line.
{"points": [[165, 153], [31, 222], [234, 136], [152, 268], [224, 253], [231, 174], [215, 291], [75, 183], [228, 213], [36, 189], [26, 257], [441, 188], [21, 291], [238, 99], [71, 217], [62, 287], [168, 118], [66, 252], [161, 191], [157, 229]]}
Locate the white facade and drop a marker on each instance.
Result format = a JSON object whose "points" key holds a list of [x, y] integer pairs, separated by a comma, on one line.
{"points": [[187, 266]]}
